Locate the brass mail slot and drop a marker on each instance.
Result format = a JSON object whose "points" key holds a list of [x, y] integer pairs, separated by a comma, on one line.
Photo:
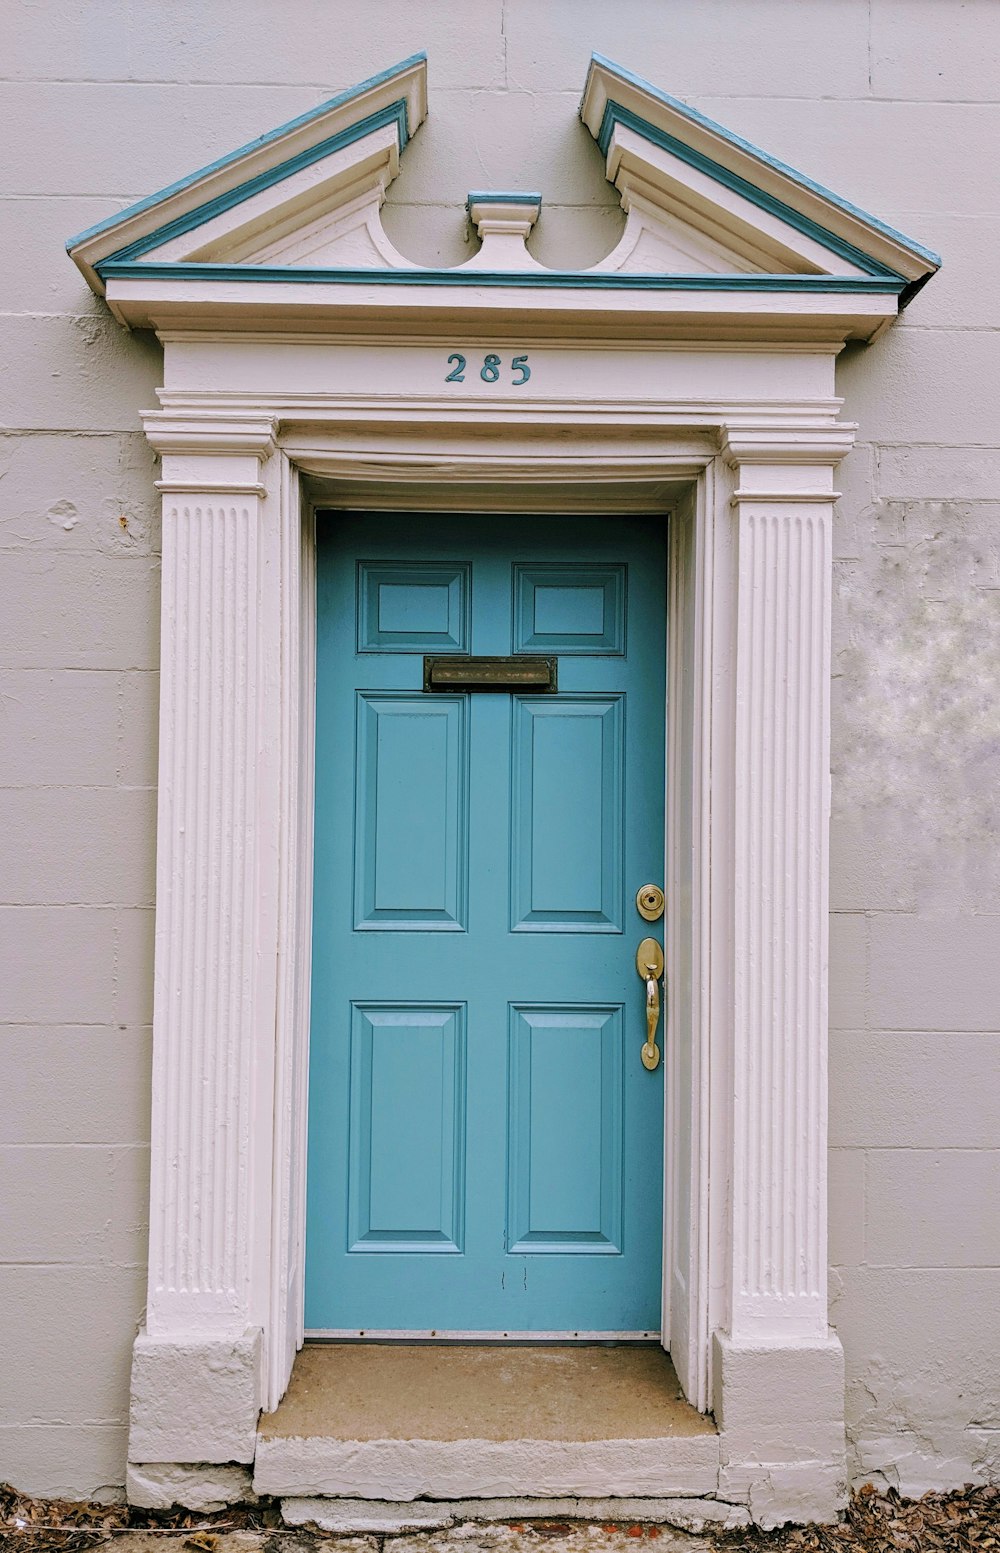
{"points": [[466, 673]]}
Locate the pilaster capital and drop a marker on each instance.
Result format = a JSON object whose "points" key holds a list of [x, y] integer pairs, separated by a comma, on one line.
{"points": [[206, 433], [785, 465], [786, 445], [210, 455]]}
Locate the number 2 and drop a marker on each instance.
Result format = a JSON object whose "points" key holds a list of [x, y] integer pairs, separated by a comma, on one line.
{"points": [[457, 375], [520, 364]]}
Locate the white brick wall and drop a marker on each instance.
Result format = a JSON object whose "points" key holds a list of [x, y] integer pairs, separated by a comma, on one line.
{"points": [[892, 102]]}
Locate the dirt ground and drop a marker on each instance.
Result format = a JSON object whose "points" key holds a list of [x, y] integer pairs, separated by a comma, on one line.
{"points": [[964, 1522]]}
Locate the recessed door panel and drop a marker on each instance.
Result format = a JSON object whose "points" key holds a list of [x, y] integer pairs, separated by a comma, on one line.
{"points": [[407, 1128], [412, 607], [485, 1143], [570, 609], [567, 840], [412, 777], [565, 1176]]}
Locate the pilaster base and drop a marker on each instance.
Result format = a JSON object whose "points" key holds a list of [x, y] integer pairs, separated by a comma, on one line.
{"points": [[780, 1411], [195, 1399], [197, 1485]]}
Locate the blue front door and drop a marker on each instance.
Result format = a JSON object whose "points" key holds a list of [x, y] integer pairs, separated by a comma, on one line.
{"points": [[485, 1144]]}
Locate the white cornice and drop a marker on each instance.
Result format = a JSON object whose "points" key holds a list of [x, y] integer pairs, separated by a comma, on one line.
{"points": [[508, 302]]}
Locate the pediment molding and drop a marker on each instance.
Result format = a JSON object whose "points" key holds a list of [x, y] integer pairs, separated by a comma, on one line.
{"points": [[238, 209], [687, 163], [720, 238]]}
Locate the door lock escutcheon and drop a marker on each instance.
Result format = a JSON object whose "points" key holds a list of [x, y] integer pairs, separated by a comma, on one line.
{"points": [[649, 902]]}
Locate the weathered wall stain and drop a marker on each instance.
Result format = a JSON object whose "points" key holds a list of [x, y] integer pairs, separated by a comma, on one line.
{"points": [[916, 748]]}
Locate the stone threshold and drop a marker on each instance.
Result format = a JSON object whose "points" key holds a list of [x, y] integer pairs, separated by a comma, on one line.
{"points": [[392, 1424]]}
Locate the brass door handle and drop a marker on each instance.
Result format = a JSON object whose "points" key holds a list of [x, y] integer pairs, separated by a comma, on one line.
{"points": [[649, 964]]}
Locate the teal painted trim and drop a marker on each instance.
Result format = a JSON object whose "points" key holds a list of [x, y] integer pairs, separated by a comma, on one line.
{"points": [[395, 113], [564, 280], [614, 114], [791, 173], [336, 101], [501, 197]]}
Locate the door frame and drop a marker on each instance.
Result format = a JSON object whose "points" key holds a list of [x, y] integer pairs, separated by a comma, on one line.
{"points": [[748, 478]]}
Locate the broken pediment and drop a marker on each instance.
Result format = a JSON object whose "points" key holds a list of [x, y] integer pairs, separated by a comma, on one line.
{"points": [[296, 215], [700, 198], [306, 194]]}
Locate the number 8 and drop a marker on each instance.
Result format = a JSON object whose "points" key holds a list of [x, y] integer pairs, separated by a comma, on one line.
{"points": [[491, 368]]}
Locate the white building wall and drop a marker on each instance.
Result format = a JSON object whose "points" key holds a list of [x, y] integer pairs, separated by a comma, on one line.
{"points": [[893, 103]]}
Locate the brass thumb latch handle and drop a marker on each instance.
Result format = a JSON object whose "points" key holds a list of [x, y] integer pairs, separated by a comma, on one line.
{"points": [[649, 964]]}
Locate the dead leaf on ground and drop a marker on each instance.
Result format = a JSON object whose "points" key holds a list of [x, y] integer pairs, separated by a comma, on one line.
{"points": [[966, 1521]]}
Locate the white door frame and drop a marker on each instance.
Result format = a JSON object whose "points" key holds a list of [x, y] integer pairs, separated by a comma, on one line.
{"points": [[751, 477]]}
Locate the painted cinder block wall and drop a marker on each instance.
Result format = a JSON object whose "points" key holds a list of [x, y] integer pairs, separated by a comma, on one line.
{"points": [[893, 103]]}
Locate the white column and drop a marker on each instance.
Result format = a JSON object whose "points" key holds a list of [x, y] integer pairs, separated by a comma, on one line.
{"points": [[196, 1367], [779, 1380]]}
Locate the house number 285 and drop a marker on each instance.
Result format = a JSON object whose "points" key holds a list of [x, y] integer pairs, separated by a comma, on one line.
{"points": [[490, 371]]}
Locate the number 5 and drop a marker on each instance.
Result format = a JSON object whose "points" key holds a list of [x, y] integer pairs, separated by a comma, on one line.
{"points": [[520, 364]]}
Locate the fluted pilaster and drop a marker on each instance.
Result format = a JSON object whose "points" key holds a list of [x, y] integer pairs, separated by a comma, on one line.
{"points": [[784, 501], [207, 988]]}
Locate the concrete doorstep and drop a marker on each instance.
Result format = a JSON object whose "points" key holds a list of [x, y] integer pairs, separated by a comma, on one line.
{"points": [[457, 1426]]}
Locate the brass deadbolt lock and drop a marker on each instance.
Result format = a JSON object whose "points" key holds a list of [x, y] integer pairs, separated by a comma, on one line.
{"points": [[649, 902]]}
